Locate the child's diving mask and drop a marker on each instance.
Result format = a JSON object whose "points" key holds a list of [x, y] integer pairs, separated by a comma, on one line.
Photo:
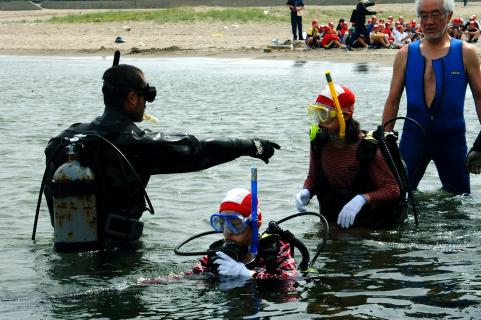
{"points": [[234, 223], [320, 113]]}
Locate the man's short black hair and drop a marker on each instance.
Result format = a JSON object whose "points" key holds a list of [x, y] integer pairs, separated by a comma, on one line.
{"points": [[118, 82]]}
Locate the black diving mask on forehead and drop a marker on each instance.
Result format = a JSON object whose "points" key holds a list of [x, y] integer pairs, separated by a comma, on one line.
{"points": [[148, 92]]}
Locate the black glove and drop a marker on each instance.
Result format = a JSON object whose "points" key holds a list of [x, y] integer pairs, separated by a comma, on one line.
{"points": [[472, 163], [263, 149], [477, 143]]}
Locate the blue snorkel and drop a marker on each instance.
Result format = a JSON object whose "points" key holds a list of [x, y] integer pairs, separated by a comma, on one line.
{"points": [[255, 229]]}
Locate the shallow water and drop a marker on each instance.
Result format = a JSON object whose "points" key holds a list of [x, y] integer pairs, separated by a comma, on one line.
{"points": [[429, 271]]}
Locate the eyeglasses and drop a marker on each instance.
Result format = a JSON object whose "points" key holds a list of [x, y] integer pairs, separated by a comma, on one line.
{"points": [[235, 223], [434, 16], [320, 113]]}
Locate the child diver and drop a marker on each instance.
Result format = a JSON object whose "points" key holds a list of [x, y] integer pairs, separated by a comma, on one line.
{"points": [[347, 172], [230, 256]]}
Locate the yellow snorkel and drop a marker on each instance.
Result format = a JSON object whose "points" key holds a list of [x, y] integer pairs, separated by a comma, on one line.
{"points": [[340, 116]]}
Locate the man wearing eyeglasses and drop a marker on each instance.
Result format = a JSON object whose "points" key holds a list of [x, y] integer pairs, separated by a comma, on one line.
{"points": [[120, 188], [435, 72]]}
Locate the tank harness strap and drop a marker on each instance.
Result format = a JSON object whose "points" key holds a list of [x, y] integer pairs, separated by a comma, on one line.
{"points": [[366, 152], [316, 148]]}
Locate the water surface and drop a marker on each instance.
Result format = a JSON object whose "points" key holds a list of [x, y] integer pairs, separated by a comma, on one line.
{"points": [[432, 271]]}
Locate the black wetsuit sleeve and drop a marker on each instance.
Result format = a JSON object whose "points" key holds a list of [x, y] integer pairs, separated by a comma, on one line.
{"points": [[156, 153], [362, 11]]}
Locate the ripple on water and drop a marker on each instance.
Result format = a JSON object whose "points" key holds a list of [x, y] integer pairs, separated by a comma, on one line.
{"points": [[428, 271]]}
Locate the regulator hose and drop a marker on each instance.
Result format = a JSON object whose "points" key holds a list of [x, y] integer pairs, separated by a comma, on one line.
{"points": [[322, 220], [400, 176], [192, 253], [42, 186], [298, 243]]}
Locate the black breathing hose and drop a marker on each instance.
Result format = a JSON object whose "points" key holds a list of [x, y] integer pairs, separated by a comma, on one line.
{"points": [[400, 176], [322, 219], [42, 186], [297, 243], [192, 253]]}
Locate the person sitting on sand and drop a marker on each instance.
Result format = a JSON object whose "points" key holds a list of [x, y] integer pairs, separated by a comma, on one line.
{"points": [[313, 38], [472, 32], [455, 28], [344, 33], [401, 37], [378, 38], [360, 42], [331, 39], [388, 31]]}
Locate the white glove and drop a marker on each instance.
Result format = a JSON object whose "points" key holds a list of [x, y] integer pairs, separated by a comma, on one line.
{"points": [[473, 162], [350, 210], [230, 267], [302, 200]]}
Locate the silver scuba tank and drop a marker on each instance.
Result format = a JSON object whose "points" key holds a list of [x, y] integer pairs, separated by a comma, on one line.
{"points": [[74, 203]]}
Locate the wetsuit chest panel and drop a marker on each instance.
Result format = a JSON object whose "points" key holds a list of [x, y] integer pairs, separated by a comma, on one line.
{"points": [[445, 116]]}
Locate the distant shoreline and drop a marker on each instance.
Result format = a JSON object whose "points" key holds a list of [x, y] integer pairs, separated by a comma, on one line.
{"points": [[23, 33]]}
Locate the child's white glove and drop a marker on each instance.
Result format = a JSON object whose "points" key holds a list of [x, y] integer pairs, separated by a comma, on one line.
{"points": [[302, 200], [232, 268]]}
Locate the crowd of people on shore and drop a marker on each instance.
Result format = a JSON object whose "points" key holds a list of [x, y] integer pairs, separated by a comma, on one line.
{"points": [[383, 33]]}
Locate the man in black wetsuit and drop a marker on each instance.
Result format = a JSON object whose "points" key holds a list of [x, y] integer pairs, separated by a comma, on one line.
{"points": [[120, 195], [359, 19]]}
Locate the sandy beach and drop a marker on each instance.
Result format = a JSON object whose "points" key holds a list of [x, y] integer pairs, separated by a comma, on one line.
{"points": [[25, 33]]}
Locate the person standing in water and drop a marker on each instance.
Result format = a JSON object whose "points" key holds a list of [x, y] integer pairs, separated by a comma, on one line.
{"points": [[120, 192], [349, 175], [231, 255], [435, 98]]}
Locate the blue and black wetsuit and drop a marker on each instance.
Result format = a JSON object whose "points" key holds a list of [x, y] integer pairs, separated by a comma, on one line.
{"points": [[443, 122]]}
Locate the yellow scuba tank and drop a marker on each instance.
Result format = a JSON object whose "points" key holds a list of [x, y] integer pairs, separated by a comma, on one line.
{"points": [[74, 203]]}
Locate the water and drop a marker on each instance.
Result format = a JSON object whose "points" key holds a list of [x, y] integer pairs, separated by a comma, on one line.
{"points": [[432, 271]]}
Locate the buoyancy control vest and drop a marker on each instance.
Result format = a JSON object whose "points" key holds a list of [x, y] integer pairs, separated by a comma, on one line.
{"points": [[383, 215]]}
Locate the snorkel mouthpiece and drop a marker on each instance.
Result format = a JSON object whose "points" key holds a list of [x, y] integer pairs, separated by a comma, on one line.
{"points": [[313, 132], [340, 116]]}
